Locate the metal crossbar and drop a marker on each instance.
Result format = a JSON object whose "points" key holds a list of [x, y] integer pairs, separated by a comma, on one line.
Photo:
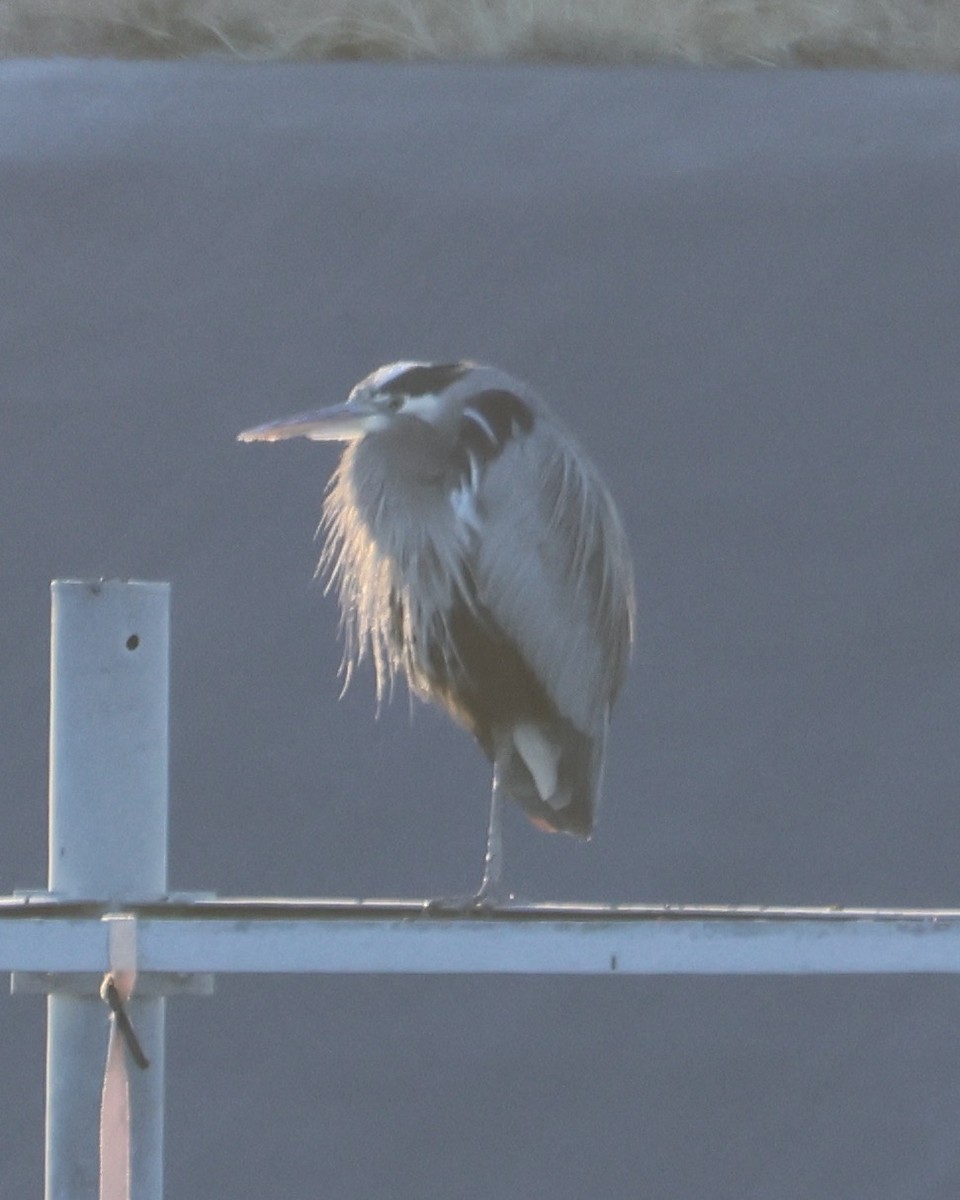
{"points": [[389, 937], [107, 919]]}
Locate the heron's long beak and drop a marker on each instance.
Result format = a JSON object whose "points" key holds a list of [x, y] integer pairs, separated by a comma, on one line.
{"points": [[340, 423]]}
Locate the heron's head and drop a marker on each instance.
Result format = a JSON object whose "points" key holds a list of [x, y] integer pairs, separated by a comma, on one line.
{"points": [[434, 393]]}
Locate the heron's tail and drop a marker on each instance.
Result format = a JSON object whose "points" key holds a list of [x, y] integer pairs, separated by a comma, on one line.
{"points": [[553, 772]]}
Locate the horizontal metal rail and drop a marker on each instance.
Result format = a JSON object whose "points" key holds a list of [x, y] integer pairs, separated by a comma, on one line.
{"points": [[47, 936]]}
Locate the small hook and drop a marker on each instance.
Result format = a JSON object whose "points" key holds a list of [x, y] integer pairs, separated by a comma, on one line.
{"points": [[110, 994]]}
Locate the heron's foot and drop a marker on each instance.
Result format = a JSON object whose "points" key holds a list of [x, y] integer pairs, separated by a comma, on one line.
{"points": [[492, 895], [488, 900]]}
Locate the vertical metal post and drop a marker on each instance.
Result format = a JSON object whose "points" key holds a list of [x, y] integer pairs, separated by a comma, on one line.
{"points": [[108, 841]]}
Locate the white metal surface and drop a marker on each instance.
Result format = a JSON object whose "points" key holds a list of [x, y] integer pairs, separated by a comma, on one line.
{"points": [[397, 937], [108, 738], [108, 838]]}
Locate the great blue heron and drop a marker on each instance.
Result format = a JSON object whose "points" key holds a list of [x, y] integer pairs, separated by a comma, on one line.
{"points": [[475, 549]]}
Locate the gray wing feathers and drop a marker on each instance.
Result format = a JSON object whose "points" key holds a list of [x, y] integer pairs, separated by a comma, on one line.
{"points": [[553, 567]]}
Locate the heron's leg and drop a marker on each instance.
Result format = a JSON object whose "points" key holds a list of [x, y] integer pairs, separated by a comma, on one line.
{"points": [[490, 886], [491, 894]]}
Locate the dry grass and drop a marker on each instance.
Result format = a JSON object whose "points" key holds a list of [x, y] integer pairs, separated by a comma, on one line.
{"points": [[911, 34]]}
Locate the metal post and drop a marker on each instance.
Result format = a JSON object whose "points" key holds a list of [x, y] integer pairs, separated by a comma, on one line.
{"points": [[108, 841]]}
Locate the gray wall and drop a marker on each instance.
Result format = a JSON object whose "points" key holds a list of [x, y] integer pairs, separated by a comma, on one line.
{"points": [[742, 290]]}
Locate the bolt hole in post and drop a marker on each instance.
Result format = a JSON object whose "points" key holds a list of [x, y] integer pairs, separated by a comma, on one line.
{"points": [[133, 642]]}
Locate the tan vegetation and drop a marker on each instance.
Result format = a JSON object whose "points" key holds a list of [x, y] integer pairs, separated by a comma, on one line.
{"points": [[911, 34]]}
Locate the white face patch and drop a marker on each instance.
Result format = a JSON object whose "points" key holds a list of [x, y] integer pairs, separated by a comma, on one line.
{"points": [[541, 757], [425, 407]]}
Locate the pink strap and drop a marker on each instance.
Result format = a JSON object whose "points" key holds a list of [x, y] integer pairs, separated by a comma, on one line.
{"points": [[115, 1101]]}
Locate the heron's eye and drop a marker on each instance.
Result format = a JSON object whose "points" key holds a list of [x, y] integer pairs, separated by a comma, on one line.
{"points": [[394, 402]]}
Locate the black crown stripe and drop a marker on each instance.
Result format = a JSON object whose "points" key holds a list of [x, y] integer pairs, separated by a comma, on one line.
{"points": [[426, 380]]}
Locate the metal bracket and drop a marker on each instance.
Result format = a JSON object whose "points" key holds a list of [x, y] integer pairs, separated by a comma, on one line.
{"points": [[83, 983], [88, 983]]}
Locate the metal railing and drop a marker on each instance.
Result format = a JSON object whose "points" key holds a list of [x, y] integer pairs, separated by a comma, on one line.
{"points": [[107, 922]]}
